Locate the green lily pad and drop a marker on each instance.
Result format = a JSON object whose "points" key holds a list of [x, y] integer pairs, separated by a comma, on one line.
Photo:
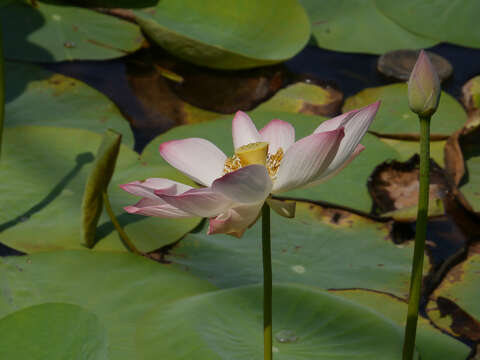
{"points": [[460, 286], [53, 331], [236, 35], [358, 26], [347, 189], [44, 171], [406, 149], [471, 187], [431, 343], [307, 324], [50, 32], [304, 98], [394, 116], [326, 248], [120, 289], [35, 96], [442, 20]]}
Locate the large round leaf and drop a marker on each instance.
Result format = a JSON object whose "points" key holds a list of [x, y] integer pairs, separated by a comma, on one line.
{"points": [[53, 331], [347, 189], [235, 35], [120, 289], [471, 187], [307, 324], [44, 171], [443, 20], [50, 32], [395, 117], [431, 343], [358, 26], [327, 248], [35, 96]]}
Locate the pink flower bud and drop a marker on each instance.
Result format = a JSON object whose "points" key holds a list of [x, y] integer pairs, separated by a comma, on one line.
{"points": [[423, 87]]}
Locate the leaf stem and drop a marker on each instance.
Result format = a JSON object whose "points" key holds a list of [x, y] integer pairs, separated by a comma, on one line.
{"points": [[267, 283], [420, 235], [123, 235]]}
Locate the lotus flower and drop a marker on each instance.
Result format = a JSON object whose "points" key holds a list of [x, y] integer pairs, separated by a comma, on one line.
{"points": [[265, 162]]}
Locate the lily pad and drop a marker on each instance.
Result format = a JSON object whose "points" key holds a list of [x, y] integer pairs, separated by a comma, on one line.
{"points": [[236, 35], [306, 99], [44, 171], [326, 248], [35, 96], [53, 331], [50, 32], [347, 189], [395, 118], [442, 20], [460, 287], [120, 289], [471, 187], [431, 343], [308, 324], [358, 26]]}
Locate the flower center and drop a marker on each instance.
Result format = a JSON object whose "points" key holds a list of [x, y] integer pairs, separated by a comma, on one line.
{"points": [[254, 153]]}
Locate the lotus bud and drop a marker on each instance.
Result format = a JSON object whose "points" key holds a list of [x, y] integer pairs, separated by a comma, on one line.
{"points": [[423, 87]]}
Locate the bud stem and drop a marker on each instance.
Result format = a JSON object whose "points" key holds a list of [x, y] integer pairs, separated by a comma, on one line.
{"points": [[420, 235], [267, 283]]}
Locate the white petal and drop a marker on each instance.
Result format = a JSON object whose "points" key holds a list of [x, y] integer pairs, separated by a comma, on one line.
{"points": [[199, 202], [147, 187], [336, 122], [235, 221], [355, 129], [283, 208], [197, 158], [243, 130], [247, 185], [278, 134], [158, 208], [307, 159]]}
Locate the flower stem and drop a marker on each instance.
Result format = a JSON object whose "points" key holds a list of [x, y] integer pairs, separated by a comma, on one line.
{"points": [[123, 235], [420, 235], [267, 283]]}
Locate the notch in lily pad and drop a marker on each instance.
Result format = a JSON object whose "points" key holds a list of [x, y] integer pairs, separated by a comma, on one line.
{"points": [[95, 195]]}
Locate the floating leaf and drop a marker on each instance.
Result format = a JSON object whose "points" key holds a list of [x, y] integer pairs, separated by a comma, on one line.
{"points": [[236, 35], [358, 26], [308, 324], [53, 331], [347, 189], [395, 118], [470, 188], [44, 172], [431, 343], [38, 97], [306, 99], [120, 289], [50, 32], [326, 248], [442, 20]]}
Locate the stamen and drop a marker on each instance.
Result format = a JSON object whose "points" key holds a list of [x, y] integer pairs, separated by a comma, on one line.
{"points": [[232, 164], [273, 163]]}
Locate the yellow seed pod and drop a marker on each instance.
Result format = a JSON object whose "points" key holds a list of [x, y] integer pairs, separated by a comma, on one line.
{"points": [[254, 153]]}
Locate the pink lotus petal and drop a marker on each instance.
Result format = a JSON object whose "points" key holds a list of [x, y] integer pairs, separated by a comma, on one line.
{"points": [[355, 129], [197, 158], [235, 221], [243, 130], [250, 184], [336, 122], [147, 187], [278, 134], [158, 208], [282, 208], [199, 202], [307, 159]]}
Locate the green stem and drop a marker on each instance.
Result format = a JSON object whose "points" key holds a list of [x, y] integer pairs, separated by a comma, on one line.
{"points": [[2, 90], [420, 235], [123, 235], [267, 284]]}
